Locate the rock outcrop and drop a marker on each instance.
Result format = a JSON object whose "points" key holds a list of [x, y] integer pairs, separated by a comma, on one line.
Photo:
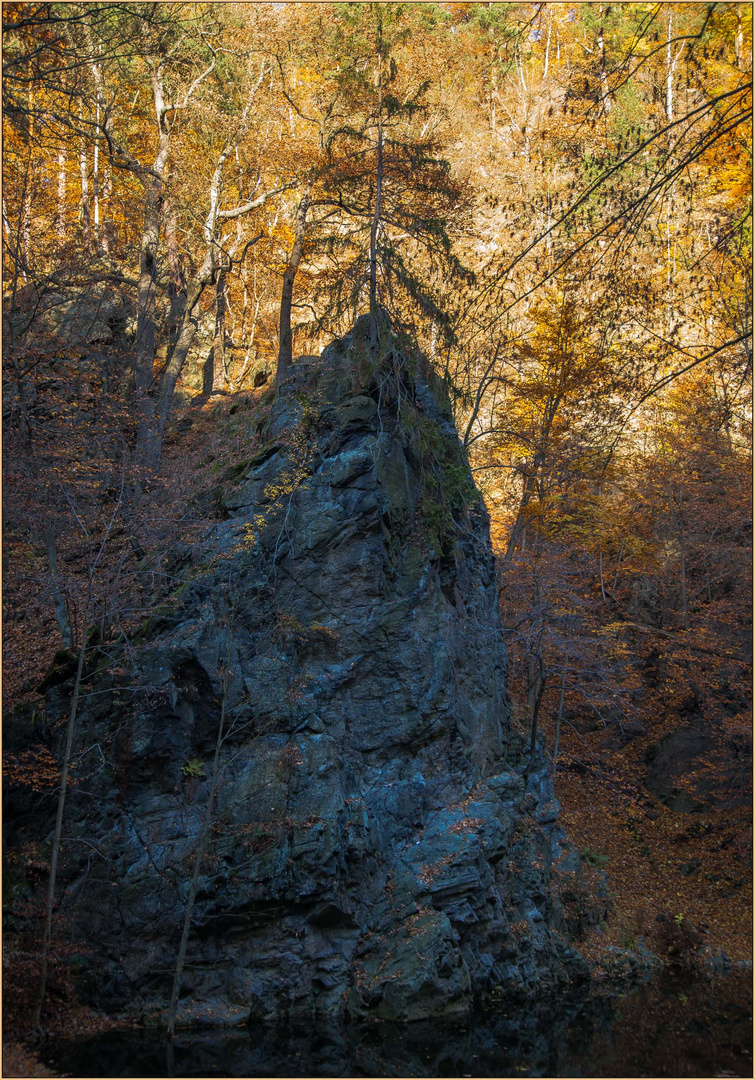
{"points": [[381, 845], [100, 314]]}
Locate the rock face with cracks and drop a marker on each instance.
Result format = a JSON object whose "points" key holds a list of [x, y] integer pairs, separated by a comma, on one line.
{"points": [[380, 844]]}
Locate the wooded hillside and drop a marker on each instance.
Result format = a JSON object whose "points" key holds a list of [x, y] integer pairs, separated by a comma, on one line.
{"points": [[553, 201]]}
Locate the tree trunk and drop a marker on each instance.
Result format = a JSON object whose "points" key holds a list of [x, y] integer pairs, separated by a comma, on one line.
{"points": [[66, 765], [548, 44], [96, 183], [528, 491], [285, 345], [147, 438], [108, 230], [493, 87], [618, 567], [602, 582], [605, 90], [6, 227], [147, 449], [102, 225], [378, 185], [84, 215], [25, 223], [176, 284], [678, 521], [541, 680], [558, 719], [61, 608], [47, 933], [60, 217], [218, 347], [25, 240], [669, 74], [685, 604], [184, 342]]}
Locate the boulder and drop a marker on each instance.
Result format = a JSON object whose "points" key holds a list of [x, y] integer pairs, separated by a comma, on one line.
{"points": [[98, 314]]}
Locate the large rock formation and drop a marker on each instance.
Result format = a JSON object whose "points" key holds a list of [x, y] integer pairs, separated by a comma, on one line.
{"points": [[380, 843]]}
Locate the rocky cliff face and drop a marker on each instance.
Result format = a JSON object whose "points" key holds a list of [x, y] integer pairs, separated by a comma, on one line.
{"points": [[380, 844]]}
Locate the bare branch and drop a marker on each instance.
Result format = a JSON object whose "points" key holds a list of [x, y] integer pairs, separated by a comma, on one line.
{"points": [[254, 204]]}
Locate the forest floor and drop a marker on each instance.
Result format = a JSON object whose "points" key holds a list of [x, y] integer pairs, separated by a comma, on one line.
{"points": [[661, 865], [18, 1061], [64, 1017]]}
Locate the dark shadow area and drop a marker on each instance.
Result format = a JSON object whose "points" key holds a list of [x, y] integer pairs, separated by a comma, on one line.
{"points": [[691, 1026]]}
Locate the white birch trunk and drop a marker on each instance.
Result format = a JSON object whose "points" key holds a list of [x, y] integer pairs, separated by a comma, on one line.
{"points": [[669, 74], [85, 217], [60, 218], [96, 183], [548, 45]]}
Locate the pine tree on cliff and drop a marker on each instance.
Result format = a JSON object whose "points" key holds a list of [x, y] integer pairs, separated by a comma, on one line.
{"points": [[380, 201]]}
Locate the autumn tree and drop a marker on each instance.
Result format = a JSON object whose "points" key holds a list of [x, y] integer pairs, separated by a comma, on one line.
{"points": [[383, 201]]}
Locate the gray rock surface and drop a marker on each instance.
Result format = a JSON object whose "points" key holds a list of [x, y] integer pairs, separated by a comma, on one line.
{"points": [[97, 314], [380, 846]]}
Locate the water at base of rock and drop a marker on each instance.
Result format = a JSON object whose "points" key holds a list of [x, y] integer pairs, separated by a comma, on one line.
{"points": [[679, 1027]]}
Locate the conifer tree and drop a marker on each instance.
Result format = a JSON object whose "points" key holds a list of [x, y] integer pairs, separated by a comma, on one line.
{"points": [[384, 204]]}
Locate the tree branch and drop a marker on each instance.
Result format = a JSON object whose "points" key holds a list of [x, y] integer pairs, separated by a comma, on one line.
{"points": [[254, 204]]}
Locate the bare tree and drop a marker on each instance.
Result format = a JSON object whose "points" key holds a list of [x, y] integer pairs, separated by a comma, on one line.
{"points": [[95, 556]]}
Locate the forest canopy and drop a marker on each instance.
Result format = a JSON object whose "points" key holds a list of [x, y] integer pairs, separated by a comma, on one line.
{"points": [[517, 164]]}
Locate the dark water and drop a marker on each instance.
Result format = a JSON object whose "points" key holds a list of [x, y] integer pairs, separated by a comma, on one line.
{"points": [[671, 1027]]}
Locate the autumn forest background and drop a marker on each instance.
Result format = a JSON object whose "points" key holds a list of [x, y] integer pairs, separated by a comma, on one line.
{"points": [[554, 201]]}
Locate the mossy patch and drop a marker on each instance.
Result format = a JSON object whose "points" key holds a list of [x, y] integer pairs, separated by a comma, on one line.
{"points": [[447, 489]]}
